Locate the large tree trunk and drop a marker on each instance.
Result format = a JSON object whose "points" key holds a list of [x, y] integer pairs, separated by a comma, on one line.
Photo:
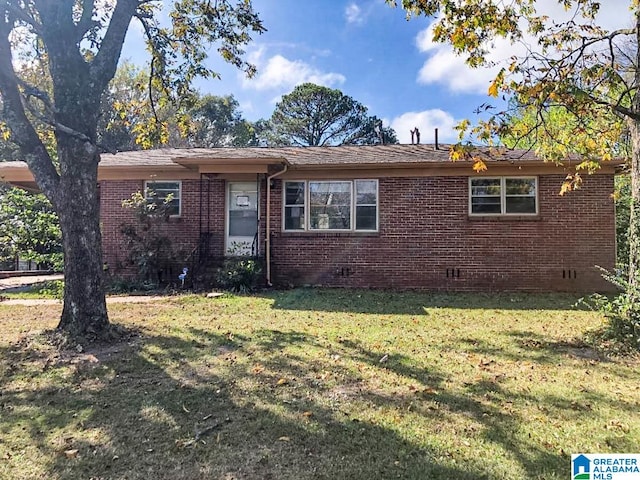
{"points": [[633, 288], [84, 313], [634, 221]]}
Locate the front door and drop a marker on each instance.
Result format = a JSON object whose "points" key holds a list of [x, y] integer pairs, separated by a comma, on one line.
{"points": [[242, 218]]}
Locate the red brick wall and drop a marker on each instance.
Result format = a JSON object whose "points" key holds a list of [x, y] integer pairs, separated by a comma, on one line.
{"points": [[425, 229], [184, 230]]}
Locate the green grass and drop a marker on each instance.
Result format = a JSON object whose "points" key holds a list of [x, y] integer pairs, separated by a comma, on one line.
{"points": [[290, 385]]}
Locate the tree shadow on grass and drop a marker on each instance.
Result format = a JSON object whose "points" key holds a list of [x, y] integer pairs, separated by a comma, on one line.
{"points": [[227, 406], [146, 415], [386, 302]]}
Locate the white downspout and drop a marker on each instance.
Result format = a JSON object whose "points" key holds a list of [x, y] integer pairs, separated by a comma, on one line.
{"points": [[267, 240]]}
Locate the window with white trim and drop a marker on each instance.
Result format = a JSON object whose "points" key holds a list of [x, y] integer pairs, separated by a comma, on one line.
{"points": [[503, 196], [338, 205], [161, 192], [294, 209]]}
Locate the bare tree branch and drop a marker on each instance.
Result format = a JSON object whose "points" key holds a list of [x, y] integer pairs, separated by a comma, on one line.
{"points": [[105, 62], [22, 131], [22, 15]]}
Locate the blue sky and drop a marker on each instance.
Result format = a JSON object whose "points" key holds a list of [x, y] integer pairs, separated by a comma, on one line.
{"points": [[369, 51]]}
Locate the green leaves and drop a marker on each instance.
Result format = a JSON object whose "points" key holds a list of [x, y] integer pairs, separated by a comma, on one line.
{"points": [[180, 50], [29, 229]]}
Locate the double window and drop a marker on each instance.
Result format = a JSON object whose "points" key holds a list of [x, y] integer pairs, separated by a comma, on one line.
{"points": [[165, 192], [331, 205], [503, 196]]}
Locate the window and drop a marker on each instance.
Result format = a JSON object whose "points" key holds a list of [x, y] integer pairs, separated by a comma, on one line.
{"points": [[503, 196], [331, 205], [160, 192], [294, 206], [366, 204]]}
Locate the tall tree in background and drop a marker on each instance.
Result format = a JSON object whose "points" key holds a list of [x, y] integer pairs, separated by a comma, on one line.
{"points": [[126, 110], [79, 42], [312, 115], [217, 122], [138, 113], [134, 118], [574, 66]]}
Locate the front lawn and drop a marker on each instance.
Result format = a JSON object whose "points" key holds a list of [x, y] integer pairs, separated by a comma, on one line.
{"points": [[313, 384]]}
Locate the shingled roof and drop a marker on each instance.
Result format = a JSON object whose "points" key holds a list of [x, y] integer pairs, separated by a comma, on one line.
{"points": [[191, 162], [310, 156]]}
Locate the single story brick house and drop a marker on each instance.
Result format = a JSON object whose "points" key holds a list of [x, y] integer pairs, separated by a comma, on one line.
{"points": [[384, 216]]}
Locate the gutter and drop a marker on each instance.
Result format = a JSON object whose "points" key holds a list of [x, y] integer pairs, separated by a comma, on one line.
{"points": [[267, 239]]}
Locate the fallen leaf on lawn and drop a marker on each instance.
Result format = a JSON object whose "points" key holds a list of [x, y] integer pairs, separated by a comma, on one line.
{"points": [[185, 443], [430, 391], [258, 369], [282, 381], [284, 439], [307, 414], [71, 453]]}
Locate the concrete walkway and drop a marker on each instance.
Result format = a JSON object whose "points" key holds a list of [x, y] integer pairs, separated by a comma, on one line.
{"points": [[13, 283], [30, 302], [17, 282]]}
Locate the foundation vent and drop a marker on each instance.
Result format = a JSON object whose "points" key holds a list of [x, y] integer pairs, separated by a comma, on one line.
{"points": [[453, 273], [344, 272]]}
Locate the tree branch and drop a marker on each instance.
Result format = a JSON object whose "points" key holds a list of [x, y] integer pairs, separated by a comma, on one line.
{"points": [[104, 64], [22, 15], [50, 120], [22, 132]]}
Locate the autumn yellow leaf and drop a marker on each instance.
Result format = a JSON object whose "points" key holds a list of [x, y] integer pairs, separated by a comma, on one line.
{"points": [[307, 414], [496, 84], [282, 381], [479, 165], [493, 89]]}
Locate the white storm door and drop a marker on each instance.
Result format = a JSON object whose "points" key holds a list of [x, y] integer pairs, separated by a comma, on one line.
{"points": [[242, 218]]}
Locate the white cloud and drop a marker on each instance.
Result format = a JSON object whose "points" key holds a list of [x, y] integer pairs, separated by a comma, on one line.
{"points": [[446, 68], [353, 14], [426, 121], [280, 73]]}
